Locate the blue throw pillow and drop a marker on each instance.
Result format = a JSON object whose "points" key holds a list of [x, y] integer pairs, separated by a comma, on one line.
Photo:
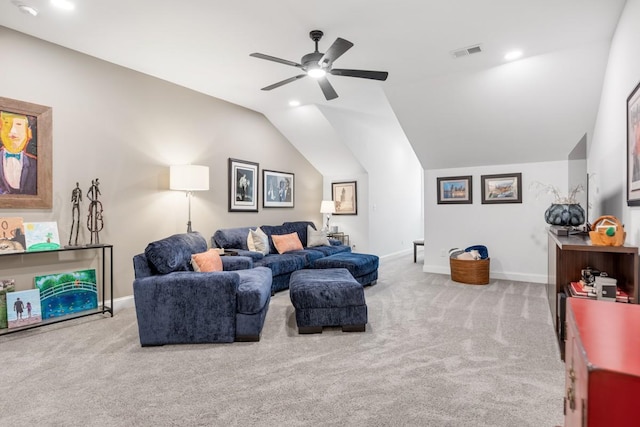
{"points": [[174, 252]]}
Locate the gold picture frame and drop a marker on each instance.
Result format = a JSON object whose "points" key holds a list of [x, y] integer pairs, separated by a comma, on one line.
{"points": [[39, 151]]}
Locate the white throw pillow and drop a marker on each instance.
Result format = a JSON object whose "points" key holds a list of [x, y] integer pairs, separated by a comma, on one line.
{"points": [[257, 241], [316, 238]]}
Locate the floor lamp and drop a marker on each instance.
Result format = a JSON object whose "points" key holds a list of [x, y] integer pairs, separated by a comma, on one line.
{"points": [[189, 178], [328, 207]]}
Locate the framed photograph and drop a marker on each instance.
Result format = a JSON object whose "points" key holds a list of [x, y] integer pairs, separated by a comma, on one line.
{"points": [[633, 147], [277, 189], [243, 186], [503, 188], [455, 190], [345, 195], [25, 133]]}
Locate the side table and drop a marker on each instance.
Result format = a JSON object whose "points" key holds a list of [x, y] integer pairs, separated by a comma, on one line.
{"points": [[344, 238]]}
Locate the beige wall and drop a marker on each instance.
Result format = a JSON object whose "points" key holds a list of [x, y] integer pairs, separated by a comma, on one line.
{"points": [[125, 128]]}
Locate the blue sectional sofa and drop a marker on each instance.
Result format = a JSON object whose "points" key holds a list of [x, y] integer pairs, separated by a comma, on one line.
{"points": [[175, 305], [281, 265]]}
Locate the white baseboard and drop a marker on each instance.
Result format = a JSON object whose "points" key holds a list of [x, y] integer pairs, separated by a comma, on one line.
{"points": [[397, 254], [500, 275], [121, 303]]}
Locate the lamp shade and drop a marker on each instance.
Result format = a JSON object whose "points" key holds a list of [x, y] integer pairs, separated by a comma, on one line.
{"points": [[328, 207], [189, 177]]}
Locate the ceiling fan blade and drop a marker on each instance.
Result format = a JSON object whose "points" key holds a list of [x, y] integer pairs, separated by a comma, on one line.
{"points": [[364, 74], [274, 59], [336, 50], [284, 82], [327, 89]]}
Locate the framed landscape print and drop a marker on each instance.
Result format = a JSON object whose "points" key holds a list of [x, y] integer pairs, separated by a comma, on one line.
{"points": [[25, 136], [633, 147], [278, 189], [243, 186], [67, 293], [503, 188], [345, 195], [455, 190]]}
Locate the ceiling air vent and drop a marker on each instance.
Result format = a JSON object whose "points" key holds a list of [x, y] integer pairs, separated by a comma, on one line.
{"points": [[466, 51]]}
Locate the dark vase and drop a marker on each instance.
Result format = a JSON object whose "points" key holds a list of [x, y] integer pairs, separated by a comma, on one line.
{"points": [[564, 215]]}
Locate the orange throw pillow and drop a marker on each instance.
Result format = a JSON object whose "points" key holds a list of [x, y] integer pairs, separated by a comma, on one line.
{"points": [[287, 242], [206, 261]]}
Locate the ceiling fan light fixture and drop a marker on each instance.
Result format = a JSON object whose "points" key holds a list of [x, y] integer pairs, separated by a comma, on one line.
{"points": [[316, 73]]}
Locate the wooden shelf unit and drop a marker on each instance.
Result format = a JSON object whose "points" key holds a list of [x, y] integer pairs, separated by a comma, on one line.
{"points": [[568, 255]]}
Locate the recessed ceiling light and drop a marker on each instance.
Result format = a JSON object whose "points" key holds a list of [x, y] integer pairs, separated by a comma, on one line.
{"points": [[63, 4], [294, 103], [26, 9], [514, 54]]}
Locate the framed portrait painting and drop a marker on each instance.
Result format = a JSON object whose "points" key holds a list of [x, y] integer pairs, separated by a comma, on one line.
{"points": [[633, 147], [455, 190], [345, 196], [25, 169], [277, 189], [243, 186], [503, 188]]}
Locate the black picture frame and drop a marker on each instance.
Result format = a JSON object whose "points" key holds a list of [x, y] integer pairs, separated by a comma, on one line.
{"points": [[501, 188], [633, 147], [455, 190], [345, 196], [278, 189], [244, 182]]}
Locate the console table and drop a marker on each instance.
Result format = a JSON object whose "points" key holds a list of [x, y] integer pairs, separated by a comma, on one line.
{"points": [[568, 255], [24, 261]]}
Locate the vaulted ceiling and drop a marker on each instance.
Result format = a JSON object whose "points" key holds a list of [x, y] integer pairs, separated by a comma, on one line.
{"points": [[473, 110]]}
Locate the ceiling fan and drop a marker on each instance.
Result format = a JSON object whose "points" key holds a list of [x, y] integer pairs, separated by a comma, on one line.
{"points": [[317, 65]]}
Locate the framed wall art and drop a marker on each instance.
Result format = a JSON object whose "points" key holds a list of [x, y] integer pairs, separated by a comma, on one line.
{"points": [[277, 189], [25, 133], [243, 186], [633, 147], [345, 195], [455, 190], [503, 188]]}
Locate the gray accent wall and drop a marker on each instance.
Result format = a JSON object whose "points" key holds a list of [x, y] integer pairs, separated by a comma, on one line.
{"points": [[126, 128]]}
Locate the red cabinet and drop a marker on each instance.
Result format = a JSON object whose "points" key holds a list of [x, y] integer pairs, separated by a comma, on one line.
{"points": [[602, 364]]}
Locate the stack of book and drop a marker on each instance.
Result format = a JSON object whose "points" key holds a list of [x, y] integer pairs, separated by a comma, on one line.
{"points": [[582, 290]]}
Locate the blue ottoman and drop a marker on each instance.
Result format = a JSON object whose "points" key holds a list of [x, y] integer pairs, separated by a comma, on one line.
{"points": [[363, 267], [327, 297]]}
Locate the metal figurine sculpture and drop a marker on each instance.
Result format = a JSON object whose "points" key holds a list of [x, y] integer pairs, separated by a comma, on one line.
{"points": [[94, 220], [76, 198]]}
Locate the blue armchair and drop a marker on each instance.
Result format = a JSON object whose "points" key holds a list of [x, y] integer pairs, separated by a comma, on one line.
{"points": [[175, 305]]}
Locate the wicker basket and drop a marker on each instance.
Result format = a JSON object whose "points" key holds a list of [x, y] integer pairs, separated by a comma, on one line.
{"points": [[471, 272]]}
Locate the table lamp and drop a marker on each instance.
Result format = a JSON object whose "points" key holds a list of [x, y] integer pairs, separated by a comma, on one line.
{"points": [[189, 178], [328, 207]]}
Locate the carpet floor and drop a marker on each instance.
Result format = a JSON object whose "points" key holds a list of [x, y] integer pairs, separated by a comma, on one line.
{"points": [[435, 353]]}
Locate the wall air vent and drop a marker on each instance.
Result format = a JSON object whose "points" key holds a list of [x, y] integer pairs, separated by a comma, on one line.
{"points": [[466, 51]]}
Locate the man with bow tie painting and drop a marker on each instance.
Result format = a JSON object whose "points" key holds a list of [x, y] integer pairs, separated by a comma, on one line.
{"points": [[18, 169]]}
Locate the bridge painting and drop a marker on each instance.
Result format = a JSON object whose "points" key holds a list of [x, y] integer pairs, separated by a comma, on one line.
{"points": [[67, 293]]}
